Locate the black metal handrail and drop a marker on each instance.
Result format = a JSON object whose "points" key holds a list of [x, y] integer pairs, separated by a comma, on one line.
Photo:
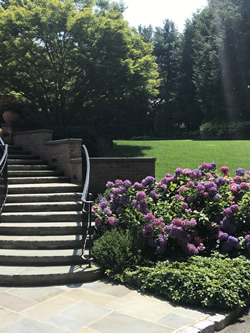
{"points": [[3, 174], [86, 206]]}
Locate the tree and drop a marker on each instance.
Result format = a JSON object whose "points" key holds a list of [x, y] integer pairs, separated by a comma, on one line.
{"points": [[167, 50], [73, 60]]}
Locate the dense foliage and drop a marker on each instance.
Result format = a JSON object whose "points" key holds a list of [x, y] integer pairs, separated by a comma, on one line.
{"points": [[193, 213], [77, 63], [217, 282], [205, 70]]}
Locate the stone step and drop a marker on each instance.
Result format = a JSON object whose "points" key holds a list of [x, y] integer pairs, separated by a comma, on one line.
{"points": [[37, 230], [44, 188], [48, 276], [43, 197], [44, 260], [31, 167], [66, 216], [32, 173], [43, 206], [37, 180], [22, 156], [26, 161], [40, 245]]}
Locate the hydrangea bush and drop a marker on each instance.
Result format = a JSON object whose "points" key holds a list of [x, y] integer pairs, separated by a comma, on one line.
{"points": [[192, 212]]}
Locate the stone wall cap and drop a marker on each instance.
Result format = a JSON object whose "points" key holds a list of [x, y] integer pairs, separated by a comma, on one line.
{"points": [[63, 141], [34, 131], [76, 160], [123, 159]]}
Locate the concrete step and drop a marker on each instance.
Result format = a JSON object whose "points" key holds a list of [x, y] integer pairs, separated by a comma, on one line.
{"points": [[20, 161], [32, 167], [37, 180], [22, 156], [40, 231], [48, 276], [43, 206], [43, 197], [32, 173], [66, 216], [44, 188], [44, 260], [40, 245]]}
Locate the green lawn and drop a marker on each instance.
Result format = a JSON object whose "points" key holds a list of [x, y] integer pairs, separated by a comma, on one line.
{"points": [[172, 154]]}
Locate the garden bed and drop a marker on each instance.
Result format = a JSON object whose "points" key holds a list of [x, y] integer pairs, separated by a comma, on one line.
{"points": [[186, 237]]}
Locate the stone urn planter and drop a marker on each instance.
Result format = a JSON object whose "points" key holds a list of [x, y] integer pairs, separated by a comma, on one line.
{"points": [[11, 116]]}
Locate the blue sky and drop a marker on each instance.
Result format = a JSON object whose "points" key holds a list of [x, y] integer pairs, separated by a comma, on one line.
{"points": [[154, 12]]}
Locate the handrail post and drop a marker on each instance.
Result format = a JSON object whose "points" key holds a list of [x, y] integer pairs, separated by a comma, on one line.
{"points": [[3, 174], [86, 206]]}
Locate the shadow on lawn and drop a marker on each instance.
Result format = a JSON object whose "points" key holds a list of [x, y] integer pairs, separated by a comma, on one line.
{"points": [[124, 151]]}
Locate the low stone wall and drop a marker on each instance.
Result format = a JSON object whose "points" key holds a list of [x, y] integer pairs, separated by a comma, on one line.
{"points": [[59, 153], [112, 168], [66, 155]]}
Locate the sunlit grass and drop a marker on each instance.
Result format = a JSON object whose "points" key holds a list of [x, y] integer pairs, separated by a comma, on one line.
{"points": [[172, 154]]}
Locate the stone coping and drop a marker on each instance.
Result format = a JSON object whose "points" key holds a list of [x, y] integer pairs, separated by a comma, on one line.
{"points": [[34, 131], [62, 141], [124, 159]]}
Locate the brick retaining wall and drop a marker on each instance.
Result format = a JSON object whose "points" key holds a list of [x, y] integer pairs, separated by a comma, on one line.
{"points": [[66, 155]]}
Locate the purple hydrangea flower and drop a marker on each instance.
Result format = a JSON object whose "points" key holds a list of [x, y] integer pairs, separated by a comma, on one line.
{"points": [[109, 184], [154, 195], [240, 172], [218, 197], [222, 235], [147, 230], [140, 196], [212, 190], [228, 226], [137, 186], [113, 222], [247, 238], [234, 187], [149, 217], [178, 171], [190, 184], [200, 188], [191, 249], [177, 222], [182, 189], [232, 241], [212, 166], [219, 181], [127, 183], [179, 198], [244, 186], [103, 203], [235, 209], [98, 222], [118, 182], [228, 212], [108, 211], [149, 180]]}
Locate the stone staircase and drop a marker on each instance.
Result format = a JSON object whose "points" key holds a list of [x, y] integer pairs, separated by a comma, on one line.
{"points": [[40, 227]]}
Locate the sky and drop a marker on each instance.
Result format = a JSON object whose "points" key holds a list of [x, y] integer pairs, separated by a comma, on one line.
{"points": [[154, 12]]}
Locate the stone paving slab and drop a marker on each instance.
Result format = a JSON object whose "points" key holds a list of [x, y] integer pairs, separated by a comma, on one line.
{"points": [[97, 307]]}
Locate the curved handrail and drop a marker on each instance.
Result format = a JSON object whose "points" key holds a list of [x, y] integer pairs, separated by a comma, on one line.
{"points": [[86, 204], [87, 172], [3, 174]]}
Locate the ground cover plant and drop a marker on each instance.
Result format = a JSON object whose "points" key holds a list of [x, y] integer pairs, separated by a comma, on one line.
{"points": [[156, 229], [182, 153]]}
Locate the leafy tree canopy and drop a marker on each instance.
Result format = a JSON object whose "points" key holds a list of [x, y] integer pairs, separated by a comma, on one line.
{"points": [[69, 57]]}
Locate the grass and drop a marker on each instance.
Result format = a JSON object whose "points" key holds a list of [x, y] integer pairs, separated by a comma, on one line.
{"points": [[172, 154]]}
